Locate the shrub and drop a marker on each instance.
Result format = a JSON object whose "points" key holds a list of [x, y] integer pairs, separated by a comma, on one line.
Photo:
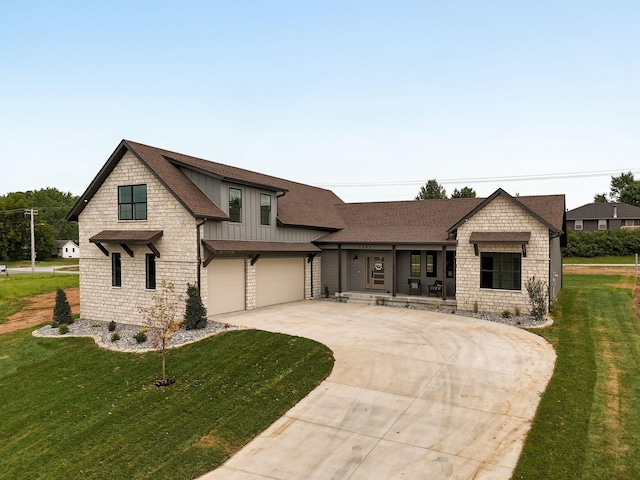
{"points": [[506, 314], [195, 315], [538, 294], [517, 311], [96, 325], [140, 337], [62, 310], [63, 329], [475, 307], [111, 326], [602, 243], [54, 324], [115, 336]]}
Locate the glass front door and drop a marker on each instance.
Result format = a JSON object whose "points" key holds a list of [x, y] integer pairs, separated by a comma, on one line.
{"points": [[375, 272]]}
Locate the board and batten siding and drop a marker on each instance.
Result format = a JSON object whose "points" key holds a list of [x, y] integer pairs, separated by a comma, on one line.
{"points": [[250, 228]]}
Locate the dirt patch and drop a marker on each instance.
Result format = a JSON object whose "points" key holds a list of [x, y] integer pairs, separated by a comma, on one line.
{"points": [[39, 310], [585, 270]]}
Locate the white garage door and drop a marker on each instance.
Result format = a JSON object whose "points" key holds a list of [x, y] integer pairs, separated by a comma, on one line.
{"points": [[279, 280], [226, 285]]}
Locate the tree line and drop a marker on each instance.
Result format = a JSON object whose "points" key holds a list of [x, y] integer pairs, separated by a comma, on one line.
{"points": [[50, 223], [433, 190]]}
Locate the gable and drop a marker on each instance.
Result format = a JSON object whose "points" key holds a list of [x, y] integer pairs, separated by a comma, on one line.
{"points": [[546, 209], [298, 204]]}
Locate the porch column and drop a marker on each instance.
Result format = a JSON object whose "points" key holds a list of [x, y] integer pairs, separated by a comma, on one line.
{"points": [[393, 271], [339, 268], [444, 272]]}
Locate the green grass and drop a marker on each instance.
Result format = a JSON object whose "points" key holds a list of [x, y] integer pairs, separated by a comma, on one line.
{"points": [[630, 259], [588, 422], [73, 410], [50, 262], [15, 289]]}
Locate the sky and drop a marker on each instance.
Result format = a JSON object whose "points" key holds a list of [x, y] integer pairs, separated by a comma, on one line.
{"points": [[369, 99]]}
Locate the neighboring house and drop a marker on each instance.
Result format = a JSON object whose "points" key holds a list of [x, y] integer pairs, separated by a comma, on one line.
{"points": [[68, 249], [249, 240], [603, 216]]}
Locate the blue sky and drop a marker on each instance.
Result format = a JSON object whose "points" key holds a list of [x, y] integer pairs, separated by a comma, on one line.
{"points": [[370, 99]]}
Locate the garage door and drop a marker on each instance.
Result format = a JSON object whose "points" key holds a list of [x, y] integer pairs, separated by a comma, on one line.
{"points": [[226, 285], [279, 280]]}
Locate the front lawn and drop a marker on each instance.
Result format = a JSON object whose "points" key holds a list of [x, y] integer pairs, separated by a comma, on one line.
{"points": [[588, 422], [15, 289], [73, 410]]}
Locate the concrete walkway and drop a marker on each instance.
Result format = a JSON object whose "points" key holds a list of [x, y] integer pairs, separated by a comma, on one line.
{"points": [[413, 395]]}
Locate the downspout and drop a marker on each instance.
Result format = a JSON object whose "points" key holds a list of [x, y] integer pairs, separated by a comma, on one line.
{"points": [[198, 248]]}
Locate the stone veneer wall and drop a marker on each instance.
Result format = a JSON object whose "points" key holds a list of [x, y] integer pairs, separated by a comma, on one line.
{"points": [[250, 285], [317, 278], [177, 247], [500, 215]]}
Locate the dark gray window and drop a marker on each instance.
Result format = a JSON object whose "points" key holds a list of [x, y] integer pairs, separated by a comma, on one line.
{"points": [[132, 202], [265, 209], [416, 261], [500, 270], [116, 270], [432, 263], [151, 271], [235, 205]]}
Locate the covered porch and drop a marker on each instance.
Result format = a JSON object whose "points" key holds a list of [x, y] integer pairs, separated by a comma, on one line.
{"points": [[413, 273]]}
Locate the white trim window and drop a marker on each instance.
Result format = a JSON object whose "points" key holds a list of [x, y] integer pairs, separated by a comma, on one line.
{"points": [[578, 225], [602, 224]]}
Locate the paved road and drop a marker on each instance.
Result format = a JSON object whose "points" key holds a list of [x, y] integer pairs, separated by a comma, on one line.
{"points": [[413, 395], [19, 270]]}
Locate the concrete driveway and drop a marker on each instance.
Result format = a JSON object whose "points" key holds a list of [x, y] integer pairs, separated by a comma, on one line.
{"points": [[413, 395]]}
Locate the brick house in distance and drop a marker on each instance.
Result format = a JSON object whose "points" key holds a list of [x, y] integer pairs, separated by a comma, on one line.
{"points": [[249, 240]]}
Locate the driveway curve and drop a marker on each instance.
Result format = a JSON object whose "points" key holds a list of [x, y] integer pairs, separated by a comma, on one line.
{"points": [[413, 395]]}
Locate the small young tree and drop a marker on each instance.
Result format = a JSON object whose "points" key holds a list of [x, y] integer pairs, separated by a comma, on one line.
{"points": [[538, 295], [195, 315], [62, 309], [160, 318]]}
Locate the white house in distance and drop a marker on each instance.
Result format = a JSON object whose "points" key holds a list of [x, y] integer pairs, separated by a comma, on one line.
{"points": [[68, 249], [249, 240]]}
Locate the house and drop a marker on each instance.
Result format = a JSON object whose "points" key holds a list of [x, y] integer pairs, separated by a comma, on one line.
{"points": [[249, 240], [68, 249], [603, 216]]}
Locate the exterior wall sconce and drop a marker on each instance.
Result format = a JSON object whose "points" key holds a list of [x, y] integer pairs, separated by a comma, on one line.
{"points": [[355, 257]]}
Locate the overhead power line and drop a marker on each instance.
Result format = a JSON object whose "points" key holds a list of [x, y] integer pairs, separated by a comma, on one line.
{"points": [[515, 178]]}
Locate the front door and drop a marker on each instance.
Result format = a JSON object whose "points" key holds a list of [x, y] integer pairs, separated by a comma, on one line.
{"points": [[375, 272]]}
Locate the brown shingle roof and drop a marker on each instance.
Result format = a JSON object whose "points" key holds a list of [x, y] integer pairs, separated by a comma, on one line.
{"points": [[301, 205], [126, 236], [412, 221], [244, 246], [499, 237], [428, 221]]}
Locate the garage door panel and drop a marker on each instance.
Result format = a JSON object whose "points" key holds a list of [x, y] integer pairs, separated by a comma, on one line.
{"points": [[226, 283], [279, 280]]}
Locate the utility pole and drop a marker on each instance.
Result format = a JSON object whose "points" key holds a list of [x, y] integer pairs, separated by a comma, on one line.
{"points": [[32, 213]]}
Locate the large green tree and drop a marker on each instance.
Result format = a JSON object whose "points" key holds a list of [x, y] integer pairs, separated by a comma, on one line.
{"points": [[625, 189], [432, 189], [50, 224], [466, 192]]}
